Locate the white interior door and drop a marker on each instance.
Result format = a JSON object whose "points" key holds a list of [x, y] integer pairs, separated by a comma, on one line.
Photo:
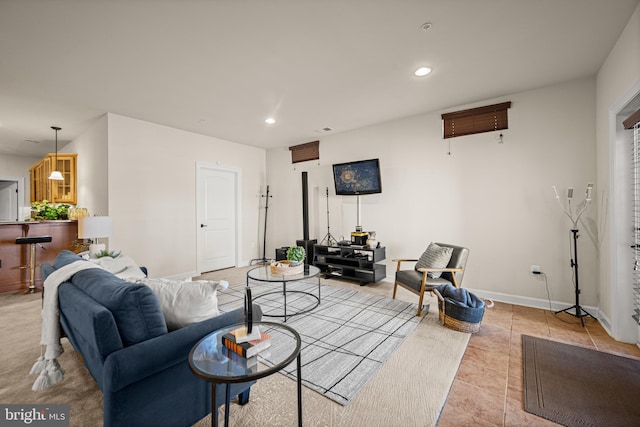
{"points": [[9, 201], [217, 218]]}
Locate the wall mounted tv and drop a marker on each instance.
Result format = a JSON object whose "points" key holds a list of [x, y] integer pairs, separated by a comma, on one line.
{"points": [[355, 178]]}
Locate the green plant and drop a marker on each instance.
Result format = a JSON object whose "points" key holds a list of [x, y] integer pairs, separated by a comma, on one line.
{"points": [[50, 211], [112, 254], [295, 253]]}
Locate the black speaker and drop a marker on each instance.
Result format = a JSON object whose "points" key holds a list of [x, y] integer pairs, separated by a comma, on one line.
{"points": [[281, 253]]}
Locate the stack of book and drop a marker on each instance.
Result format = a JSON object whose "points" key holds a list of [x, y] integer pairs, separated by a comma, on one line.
{"points": [[246, 345]]}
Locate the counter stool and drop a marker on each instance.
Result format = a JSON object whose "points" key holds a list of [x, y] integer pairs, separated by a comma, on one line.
{"points": [[33, 242]]}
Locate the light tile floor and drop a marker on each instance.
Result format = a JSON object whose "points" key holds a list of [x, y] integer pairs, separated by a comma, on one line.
{"points": [[488, 389]]}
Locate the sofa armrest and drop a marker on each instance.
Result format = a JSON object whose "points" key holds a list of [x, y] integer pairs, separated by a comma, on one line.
{"points": [[136, 362]]}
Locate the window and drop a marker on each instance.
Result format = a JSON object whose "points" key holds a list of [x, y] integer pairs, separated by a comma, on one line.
{"points": [[476, 120], [305, 152], [633, 122]]}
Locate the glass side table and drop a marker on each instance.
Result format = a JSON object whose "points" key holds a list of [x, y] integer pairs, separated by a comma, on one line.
{"points": [[210, 360], [264, 274]]}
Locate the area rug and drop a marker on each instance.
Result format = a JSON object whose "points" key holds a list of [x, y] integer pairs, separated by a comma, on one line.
{"points": [[410, 389], [345, 340], [577, 386]]}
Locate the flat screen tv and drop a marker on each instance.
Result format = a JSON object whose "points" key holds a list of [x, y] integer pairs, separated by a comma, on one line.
{"points": [[355, 178]]}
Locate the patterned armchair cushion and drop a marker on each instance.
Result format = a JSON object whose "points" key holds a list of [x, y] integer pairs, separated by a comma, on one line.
{"points": [[434, 257]]}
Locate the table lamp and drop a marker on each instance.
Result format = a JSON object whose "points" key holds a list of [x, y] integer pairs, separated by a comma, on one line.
{"points": [[94, 227]]}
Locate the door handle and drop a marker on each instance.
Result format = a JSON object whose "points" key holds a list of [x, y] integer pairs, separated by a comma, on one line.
{"points": [[203, 225]]}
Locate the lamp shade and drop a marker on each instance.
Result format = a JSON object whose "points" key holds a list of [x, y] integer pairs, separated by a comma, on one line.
{"points": [[94, 227], [56, 176]]}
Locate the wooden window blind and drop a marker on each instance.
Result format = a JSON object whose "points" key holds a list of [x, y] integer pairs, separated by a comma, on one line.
{"points": [[476, 120], [632, 120], [305, 152]]}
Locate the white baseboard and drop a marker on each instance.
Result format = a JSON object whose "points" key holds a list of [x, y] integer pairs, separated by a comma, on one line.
{"points": [[533, 302], [605, 322], [182, 276], [527, 301]]}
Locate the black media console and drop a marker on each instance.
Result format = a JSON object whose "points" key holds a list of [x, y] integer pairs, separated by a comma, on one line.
{"points": [[350, 262]]}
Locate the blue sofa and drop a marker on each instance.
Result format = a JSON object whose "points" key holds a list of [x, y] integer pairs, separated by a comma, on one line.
{"points": [[141, 368]]}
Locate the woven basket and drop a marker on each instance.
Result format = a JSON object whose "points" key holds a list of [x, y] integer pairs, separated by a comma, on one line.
{"points": [[284, 269], [463, 319]]}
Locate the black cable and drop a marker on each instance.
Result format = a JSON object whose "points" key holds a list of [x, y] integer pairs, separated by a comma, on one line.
{"points": [[546, 285]]}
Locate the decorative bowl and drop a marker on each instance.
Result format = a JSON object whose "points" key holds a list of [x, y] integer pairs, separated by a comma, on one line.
{"points": [[285, 268]]}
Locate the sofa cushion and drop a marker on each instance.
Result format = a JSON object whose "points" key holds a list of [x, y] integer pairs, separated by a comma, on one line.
{"points": [[65, 257], [47, 269], [135, 308], [413, 279], [184, 303]]}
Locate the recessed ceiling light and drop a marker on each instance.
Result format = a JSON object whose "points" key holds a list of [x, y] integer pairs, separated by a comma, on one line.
{"points": [[270, 121], [422, 71]]}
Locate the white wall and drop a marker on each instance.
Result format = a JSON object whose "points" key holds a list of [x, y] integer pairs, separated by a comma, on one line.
{"points": [[494, 198], [92, 149], [152, 192], [618, 82]]}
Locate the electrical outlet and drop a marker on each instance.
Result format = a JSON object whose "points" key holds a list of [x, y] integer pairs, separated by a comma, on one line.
{"points": [[535, 269]]}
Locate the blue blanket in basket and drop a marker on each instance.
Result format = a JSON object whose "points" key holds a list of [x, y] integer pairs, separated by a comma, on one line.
{"points": [[459, 296]]}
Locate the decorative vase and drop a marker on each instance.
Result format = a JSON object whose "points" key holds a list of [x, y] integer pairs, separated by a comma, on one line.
{"points": [[372, 242]]}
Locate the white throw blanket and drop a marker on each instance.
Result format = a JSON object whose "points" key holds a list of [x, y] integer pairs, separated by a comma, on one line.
{"points": [[121, 266], [47, 366]]}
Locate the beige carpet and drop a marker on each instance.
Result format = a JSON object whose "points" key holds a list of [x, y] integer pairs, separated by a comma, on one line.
{"points": [[409, 390]]}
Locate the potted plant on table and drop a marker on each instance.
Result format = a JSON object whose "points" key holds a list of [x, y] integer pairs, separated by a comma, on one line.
{"points": [[49, 211], [294, 263]]}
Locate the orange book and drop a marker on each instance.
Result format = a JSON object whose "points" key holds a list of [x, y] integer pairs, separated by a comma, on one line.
{"points": [[246, 349]]}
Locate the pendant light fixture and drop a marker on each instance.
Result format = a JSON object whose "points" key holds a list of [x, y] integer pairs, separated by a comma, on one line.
{"points": [[55, 174]]}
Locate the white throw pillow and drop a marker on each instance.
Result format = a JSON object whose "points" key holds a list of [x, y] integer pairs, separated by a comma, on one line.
{"points": [[183, 303]]}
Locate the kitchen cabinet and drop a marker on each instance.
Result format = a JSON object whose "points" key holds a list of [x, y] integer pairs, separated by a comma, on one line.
{"points": [[42, 188]]}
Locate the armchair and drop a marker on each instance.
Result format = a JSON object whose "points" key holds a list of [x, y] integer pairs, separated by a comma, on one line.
{"points": [[425, 277]]}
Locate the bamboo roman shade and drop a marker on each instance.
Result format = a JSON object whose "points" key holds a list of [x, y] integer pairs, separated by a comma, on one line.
{"points": [[476, 120], [305, 152]]}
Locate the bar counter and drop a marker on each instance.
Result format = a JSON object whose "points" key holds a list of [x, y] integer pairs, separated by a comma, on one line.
{"points": [[13, 256]]}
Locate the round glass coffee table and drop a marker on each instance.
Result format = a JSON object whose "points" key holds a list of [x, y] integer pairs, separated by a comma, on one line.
{"points": [[264, 274], [210, 360]]}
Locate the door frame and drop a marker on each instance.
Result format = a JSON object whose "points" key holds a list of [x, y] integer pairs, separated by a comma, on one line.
{"points": [[21, 197], [620, 325], [237, 172]]}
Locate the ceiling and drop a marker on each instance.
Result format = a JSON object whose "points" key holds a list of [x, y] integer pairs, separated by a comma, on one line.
{"points": [[220, 68]]}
